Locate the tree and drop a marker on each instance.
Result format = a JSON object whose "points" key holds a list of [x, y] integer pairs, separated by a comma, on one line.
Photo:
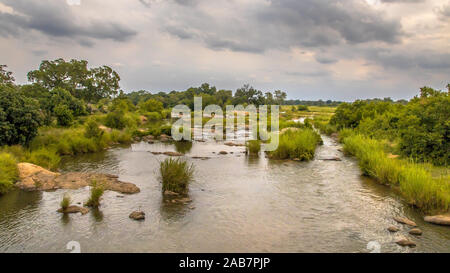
{"points": [[90, 85], [19, 117], [280, 97], [249, 95], [60, 96], [5, 76]]}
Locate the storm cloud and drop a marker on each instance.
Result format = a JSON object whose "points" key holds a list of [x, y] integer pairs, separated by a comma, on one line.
{"points": [[312, 49], [55, 18]]}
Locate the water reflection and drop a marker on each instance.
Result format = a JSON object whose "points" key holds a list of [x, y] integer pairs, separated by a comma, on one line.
{"points": [[183, 147]]}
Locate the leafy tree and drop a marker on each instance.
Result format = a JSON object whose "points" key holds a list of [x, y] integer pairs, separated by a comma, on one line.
{"points": [[6, 77], [19, 117], [61, 96], [92, 130], [249, 95], [280, 96], [88, 84]]}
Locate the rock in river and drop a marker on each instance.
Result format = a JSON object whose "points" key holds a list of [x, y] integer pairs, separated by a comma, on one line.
{"points": [[137, 215], [415, 231], [223, 153], [406, 221], [438, 219], [393, 229], [35, 178], [405, 242], [74, 209]]}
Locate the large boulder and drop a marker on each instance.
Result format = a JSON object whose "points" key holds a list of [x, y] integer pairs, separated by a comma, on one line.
{"points": [[35, 178], [443, 220]]}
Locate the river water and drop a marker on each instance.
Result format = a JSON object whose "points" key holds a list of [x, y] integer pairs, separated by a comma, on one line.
{"points": [[240, 204]]}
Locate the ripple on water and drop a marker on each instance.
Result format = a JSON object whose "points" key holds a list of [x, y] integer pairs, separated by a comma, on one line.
{"points": [[242, 204]]}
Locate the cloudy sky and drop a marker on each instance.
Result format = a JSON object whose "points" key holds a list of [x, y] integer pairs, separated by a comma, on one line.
{"points": [[312, 49]]}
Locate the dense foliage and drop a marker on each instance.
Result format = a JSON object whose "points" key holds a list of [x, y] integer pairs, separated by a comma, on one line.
{"points": [[19, 116], [421, 127]]}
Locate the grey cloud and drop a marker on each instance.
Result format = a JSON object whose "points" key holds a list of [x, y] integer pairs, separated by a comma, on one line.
{"points": [[325, 59], [444, 12], [428, 60], [282, 24], [54, 18], [402, 1]]}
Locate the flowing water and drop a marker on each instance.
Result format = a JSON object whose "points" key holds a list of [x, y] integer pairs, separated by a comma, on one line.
{"points": [[240, 204]]}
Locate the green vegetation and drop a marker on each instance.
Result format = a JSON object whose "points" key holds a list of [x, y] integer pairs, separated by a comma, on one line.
{"points": [[253, 147], [298, 144], [96, 195], [65, 203], [414, 182], [8, 172], [420, 127], [176, 174]]}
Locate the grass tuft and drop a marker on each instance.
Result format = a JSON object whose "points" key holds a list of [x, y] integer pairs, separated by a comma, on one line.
{"points": [[176, 174]]}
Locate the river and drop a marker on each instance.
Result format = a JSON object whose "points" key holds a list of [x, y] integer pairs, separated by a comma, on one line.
{"points": [[240, 204]]}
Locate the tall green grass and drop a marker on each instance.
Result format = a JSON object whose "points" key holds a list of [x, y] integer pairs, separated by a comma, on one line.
{"points": [[298, 144], [414, 182], [8, 172], [176, 174], [253, 147], [97, 191]]}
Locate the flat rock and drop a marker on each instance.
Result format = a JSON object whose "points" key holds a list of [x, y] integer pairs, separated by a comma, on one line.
{"points": [[173, 154], [223, 153], [405, 242], [415, 231], [35, 178], [406, 221], [137, 215], [393, 229], [443, 220], [74, 209]]}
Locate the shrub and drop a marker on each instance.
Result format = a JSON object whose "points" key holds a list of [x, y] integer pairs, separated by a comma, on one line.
{"points": [[151, 105], [253, 147], [302, 108], [154, 116], [297, 144], [96, 194], [92, 130], [8, 172], [65, 203], [46, 158], [63, 115], [176, 174], [116, 120]]}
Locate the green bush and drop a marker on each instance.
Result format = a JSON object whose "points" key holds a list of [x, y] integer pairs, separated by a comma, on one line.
{"points": [[153, 116], [19, 117], [8, 172], [63, 115], [302, 108], [92, 130], [96, 195], [116, 120], [253, 147], [151, 105], [297, 144], [176, 174]]}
